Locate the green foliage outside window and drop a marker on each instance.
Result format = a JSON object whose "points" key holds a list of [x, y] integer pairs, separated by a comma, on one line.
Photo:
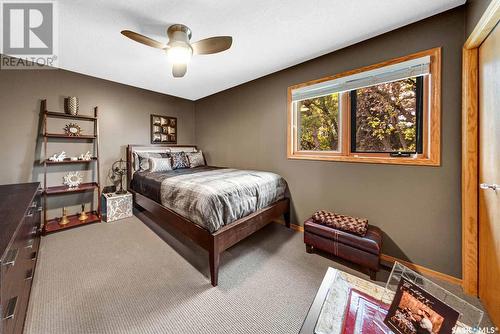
{"points": [[385, 119], [318, 123]]}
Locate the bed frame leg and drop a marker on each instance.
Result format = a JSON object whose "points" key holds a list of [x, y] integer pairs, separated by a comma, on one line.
{"points": [[214, 258], [286, 215]]}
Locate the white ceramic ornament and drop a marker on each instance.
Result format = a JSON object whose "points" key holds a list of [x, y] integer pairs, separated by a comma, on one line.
{"points": [[73, 179], [86, 156], [58, 157]]}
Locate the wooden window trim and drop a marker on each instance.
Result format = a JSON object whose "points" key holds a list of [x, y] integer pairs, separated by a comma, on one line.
{"points": [[431, 131]]}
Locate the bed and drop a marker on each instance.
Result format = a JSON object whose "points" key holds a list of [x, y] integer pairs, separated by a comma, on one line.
{"points": [[214, 207]]}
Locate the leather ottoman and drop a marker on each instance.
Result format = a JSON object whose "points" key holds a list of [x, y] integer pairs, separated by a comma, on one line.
{"points": [[364, 251]]}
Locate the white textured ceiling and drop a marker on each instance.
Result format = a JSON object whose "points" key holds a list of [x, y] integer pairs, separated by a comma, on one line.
{"points": [[268, 35]]}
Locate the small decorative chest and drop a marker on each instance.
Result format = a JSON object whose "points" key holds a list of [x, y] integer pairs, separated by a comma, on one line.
{"points": [[364, 251], [116, 206]]}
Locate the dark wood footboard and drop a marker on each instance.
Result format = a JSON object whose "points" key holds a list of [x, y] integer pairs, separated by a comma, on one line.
{"points": [[217, 242], [233, 233]]}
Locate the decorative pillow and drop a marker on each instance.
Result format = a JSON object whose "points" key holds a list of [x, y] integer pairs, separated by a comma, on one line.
{"points": [[142, 161], [160, 164], [179, 160], [136, 162], [354, 225], [196, 159]]}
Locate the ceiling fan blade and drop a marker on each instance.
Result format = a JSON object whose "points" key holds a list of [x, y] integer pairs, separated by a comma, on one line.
{"points": [[143, 39], [212, 45], [179, 70]]}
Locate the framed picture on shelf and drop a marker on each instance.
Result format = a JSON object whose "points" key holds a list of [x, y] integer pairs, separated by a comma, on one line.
{"points": [[414, 311], [163, 129]]}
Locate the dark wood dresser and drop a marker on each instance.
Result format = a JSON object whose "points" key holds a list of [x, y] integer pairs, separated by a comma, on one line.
{"points": [[20, 218]]}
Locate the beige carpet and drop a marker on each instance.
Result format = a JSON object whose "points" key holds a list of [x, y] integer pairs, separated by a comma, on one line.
{"points": [[123, 278]]}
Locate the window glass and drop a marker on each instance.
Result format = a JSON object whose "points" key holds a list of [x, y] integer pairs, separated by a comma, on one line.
{"points": [[385, 117], [318, 123]]}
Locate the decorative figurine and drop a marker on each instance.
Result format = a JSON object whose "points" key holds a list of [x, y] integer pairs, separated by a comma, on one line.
{"points": [[64, 218], [73, 179], [119, 169], [58, 157], [72, 130], [83, 215], [87, 156]]}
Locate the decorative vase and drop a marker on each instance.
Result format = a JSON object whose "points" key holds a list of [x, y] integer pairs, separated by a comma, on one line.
{"points": [[73, 105]]}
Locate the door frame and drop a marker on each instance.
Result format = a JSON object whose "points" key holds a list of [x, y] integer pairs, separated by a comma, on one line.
{"points": [[470, 146]]}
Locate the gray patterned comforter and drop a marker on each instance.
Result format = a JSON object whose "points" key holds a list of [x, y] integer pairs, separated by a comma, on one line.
{"points": [[213, 198]]}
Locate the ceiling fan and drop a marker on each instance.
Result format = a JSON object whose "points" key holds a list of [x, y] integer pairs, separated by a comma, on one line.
{"points": [[179, 49]]}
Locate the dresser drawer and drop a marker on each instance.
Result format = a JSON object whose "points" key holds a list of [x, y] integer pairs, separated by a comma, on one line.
{"points": [[17, 276], [31, 239], [33, 214], [9, 310], [25, 243], [20, 215], [15, 306], [13, 287], [28, 236], [12, 268], [18, 267]]}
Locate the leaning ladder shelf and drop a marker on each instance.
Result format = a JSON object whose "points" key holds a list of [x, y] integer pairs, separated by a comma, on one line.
{"points": [[52, 225]]}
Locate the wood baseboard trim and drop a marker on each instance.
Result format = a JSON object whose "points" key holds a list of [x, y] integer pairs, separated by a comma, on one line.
{"points": [[423, 270], [384, 257], [297, 228], [294, 227]]}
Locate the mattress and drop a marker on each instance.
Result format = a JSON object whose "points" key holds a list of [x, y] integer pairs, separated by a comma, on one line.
{"points": [[211, 197]]}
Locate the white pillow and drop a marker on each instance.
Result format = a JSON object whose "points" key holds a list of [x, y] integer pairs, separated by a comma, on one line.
{"points": [[160, 164], [142, 159]]}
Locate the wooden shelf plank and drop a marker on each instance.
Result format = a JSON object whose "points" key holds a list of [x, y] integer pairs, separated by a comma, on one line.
{"points": [[53, 224], [58, 114], [58, 190], [49, 162], [62, 135]]}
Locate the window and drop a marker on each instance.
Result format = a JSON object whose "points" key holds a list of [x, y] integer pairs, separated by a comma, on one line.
{"points": [[384, 113], [318, 123], [386, 117]]}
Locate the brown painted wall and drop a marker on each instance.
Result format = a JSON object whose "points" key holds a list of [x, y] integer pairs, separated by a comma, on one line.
{"points": [[417, 207], [124, 119]]}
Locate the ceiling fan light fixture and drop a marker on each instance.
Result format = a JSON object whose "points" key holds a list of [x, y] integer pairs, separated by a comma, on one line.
{"points": [[179, 49], [179, 53]]}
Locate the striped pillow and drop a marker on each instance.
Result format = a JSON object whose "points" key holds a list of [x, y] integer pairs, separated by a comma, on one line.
{"points": [[160, 164]]}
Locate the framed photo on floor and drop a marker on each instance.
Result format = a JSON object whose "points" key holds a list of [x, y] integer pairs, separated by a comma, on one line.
{"points": [[163, 129], [415, 311]]}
